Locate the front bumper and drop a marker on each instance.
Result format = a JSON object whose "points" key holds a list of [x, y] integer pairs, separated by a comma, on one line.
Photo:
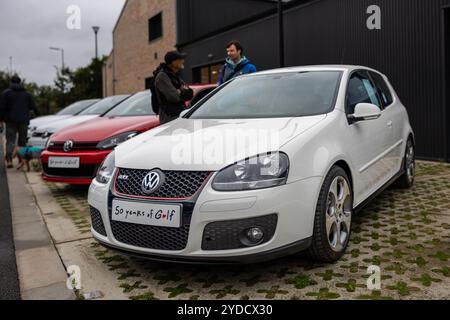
{"points": [[89, 163], [294, 204], [287, 250]]}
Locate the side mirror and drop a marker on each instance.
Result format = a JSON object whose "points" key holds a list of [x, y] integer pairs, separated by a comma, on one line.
{"points": [[183, 113], [364, 112]]}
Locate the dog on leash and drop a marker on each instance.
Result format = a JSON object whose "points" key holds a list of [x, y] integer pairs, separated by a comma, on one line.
{"points": [[24, 156]]}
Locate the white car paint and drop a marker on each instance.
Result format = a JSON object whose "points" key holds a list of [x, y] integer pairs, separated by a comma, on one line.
{"points": [[373, 150], [65, 113], [39, 137], [45, 120]]}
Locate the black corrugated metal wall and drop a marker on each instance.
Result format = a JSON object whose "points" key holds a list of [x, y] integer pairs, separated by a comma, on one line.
{"points": [[408, 49], [199, 17]]}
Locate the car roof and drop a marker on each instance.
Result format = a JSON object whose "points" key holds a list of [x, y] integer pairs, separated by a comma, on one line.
{"points": [[336, 67]]}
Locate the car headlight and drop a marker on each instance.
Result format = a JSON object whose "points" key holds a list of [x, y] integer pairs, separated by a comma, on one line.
{"points": [[46, 135], [116, 140], [106, 169], [49, 143], [263, 171]]}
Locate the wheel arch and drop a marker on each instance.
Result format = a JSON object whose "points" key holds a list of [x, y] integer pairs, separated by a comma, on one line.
{"points": [[413, 139], [344, 165]]}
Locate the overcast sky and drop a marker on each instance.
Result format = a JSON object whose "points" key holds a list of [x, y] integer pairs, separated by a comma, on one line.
{"points": [[29, 27]]}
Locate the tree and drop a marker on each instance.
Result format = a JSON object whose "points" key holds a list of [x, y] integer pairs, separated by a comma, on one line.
{"points": [[69, 86], [87, 82], [5, 80]]}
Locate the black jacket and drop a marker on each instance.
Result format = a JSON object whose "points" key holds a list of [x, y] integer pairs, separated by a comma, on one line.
{"points": [[167, 84], [16, 104]]}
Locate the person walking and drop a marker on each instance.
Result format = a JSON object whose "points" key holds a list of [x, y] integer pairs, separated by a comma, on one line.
{"points": [[171, 91], [15, 106], [236, 63]]}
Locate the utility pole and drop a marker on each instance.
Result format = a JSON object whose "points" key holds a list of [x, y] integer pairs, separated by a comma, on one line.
{"points": [[62, 73], [96, 29], [280, 34], [62, 56], [10, 65]]}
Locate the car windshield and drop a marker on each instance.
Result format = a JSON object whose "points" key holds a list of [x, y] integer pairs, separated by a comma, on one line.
{"points": [[77, 107], [103, 106], [139, 104], [294, 94]]}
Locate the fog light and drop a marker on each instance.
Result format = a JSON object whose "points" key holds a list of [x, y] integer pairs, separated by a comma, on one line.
{"points": [[255, 235]]}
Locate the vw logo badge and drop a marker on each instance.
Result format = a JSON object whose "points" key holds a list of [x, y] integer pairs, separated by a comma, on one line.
{"points": [[68, 145], [152, 181]]}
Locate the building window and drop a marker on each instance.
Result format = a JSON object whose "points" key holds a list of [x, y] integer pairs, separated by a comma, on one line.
{"points": [[207, 74], [155, 30]]}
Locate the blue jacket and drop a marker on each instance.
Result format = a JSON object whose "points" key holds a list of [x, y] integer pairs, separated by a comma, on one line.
{"points": [[228, 69]]}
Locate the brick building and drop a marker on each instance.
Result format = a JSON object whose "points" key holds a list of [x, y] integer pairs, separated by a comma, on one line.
{"points": [[144, 31]]}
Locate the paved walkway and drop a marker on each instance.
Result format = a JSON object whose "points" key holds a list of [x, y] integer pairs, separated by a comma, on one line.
{"points": [[40, 271], [9, 282]]}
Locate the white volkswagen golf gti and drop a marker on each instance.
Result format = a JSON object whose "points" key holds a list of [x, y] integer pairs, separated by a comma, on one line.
{"points": [[267, 165]]}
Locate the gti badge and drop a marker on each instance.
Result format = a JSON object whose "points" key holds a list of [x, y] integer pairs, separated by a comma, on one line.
{"points": [[68, 145], [152, 181]]}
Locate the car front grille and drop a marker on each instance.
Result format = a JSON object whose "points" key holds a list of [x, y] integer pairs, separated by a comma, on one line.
{"points": [[153, 237], [85, 171], [97, 222], [177, 184], [77, 146]]}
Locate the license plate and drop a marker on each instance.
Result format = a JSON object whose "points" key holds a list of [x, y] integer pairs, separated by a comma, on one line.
{"points": [[151, 214], [64, 162]]}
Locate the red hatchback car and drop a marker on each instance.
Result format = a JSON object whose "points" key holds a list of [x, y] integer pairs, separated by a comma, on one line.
{"points": [[74, 154]]}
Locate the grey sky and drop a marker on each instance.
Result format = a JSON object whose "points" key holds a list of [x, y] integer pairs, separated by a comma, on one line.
{"points": [[29, 27]]}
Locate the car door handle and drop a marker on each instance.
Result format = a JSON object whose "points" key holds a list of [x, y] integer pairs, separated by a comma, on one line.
{"points": [[389, 124]]}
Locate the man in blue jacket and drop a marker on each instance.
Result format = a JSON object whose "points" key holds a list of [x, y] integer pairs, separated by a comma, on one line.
{"points": [[236, 64]]}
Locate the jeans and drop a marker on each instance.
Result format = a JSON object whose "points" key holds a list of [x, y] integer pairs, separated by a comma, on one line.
{"points": [[12, 130]]}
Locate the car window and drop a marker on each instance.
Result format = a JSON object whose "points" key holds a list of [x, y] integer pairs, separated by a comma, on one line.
{"points": [[383, 90], [200, 95], [76, 107], [293, 94], [360, 90], [139, 104], [103, 106]]}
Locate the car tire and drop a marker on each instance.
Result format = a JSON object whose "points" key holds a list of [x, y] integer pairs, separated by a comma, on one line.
{"points": [[406, 180], [332, 222]]}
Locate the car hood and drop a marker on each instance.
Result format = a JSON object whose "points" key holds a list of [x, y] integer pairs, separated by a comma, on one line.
{"points": [[101, 128], [64, 123], [199, 145], [46, 120]]}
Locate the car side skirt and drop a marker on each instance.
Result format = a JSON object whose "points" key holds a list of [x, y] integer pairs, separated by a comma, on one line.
{"points": [[380, 190]]}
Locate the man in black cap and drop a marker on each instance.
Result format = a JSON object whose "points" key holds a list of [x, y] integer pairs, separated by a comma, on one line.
{"points": [[171, 90], [15, 107]]}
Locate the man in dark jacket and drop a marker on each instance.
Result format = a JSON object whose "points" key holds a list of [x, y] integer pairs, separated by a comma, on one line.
{"points": [[172, 92], [15, 106], [236, 64]]}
